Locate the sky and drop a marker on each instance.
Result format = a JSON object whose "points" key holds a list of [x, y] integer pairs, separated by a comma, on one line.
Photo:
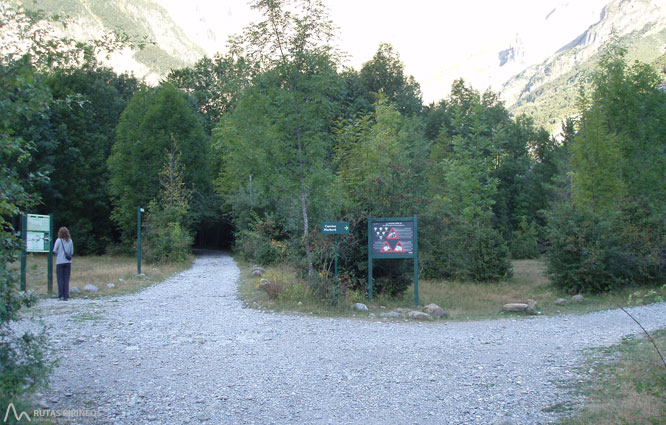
{"points": [[438, 41]]}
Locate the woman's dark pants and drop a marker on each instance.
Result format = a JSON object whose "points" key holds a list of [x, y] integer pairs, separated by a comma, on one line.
{"points": [[63, 271]]}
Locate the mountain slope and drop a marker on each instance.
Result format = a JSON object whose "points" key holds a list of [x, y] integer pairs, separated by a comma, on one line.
{"points": [[88, 19], [548, 91]]}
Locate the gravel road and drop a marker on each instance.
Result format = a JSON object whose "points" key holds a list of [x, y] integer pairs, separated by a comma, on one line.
{"points": [[187, 351]]}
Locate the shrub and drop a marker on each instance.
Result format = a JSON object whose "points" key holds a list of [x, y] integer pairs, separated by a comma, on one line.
{"points": [[171, 242], [592, 252], [524, 244], [389, 276], [463, 251], [262, 243]]}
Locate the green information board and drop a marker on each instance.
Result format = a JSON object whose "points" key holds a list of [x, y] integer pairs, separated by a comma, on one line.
{"points": [[37, 236], [393, 238], [38, 233]]}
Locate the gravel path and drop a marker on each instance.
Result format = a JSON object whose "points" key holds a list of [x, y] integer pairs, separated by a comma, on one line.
{"points": [[187, 351]]}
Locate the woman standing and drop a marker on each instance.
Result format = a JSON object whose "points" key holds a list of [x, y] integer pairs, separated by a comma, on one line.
{"points": [[64, 249]]}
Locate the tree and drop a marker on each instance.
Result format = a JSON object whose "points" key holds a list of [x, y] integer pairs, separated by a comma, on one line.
{"points": [[73, 140], [385, 73], [380, 163], [167, 237], [279, 133], [147, 126], [464, 184], [215, 84], [29, 49], [612, 232]]}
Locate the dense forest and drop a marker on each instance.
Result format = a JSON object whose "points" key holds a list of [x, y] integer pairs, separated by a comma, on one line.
{"points": [[254, 148]]}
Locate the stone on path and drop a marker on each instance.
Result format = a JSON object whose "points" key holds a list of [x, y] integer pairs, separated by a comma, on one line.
{"points": [[257, 271], [516, 307], [578, 298], [360, 307], [90, 288], [560, 301], [74, 290], [419, 315], [435, 310]]}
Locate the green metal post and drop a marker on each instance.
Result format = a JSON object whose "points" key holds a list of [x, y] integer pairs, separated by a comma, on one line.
{"points": [[337, 281], [370, 259], [49, 273], [416, 261], [138, 240], [24, 242]]}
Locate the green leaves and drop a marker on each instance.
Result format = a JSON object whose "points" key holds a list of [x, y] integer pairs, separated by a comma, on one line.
{"points": [[154, 118]]}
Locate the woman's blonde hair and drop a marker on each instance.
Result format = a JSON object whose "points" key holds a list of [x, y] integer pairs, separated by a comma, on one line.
{"points": [[63, 233]]}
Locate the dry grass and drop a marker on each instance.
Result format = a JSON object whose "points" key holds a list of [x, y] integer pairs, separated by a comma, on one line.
{"points": [[462, 300], [627, 386], [100, 271]]}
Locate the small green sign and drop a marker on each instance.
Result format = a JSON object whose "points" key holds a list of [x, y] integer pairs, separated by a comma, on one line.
{"points": [[335, 228]]}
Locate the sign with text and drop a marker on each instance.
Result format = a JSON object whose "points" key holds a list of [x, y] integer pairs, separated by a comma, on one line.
{"points": [[38, 232], [335, 228], [392, 239]]}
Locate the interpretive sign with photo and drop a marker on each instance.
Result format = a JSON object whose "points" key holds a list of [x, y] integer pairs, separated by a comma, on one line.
{"points": [[392, 239]]}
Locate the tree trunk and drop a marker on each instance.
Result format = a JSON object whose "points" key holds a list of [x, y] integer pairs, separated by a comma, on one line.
{"points": [[304, 205]]}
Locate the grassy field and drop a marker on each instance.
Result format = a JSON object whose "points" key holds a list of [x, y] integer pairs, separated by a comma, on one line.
{"points": [[99, 271], [627, 385], [461, 300]]}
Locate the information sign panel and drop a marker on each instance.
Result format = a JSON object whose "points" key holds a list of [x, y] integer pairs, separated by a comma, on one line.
{"points": [[38, 233], [392, 239]]}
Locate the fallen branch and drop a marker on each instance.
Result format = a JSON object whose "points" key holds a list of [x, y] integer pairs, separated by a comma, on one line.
{"points": [[646, 333]]}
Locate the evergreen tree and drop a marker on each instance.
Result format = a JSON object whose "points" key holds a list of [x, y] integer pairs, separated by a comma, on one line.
{"points": [[147, 126]]}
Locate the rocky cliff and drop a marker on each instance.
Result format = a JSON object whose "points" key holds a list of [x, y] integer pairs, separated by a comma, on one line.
{"points": [[548, 90]]}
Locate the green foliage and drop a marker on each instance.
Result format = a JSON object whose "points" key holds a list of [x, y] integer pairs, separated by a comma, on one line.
{"points": [[152, 119], [640, 297], [278, 135], [73, 140], [384, 76], [22, 96], [215, 84], [593, 252], [524, 243], [614, 235], [167, 238], [380, 162], [262, 243], [475, 161], [463, 251], [165, 241], [25, 365]]}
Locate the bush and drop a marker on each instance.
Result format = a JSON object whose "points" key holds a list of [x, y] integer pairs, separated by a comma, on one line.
{"points": [[263, 243], [463, 251], [594, 253], [166, 239], [524, 244], [170, 243]]}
